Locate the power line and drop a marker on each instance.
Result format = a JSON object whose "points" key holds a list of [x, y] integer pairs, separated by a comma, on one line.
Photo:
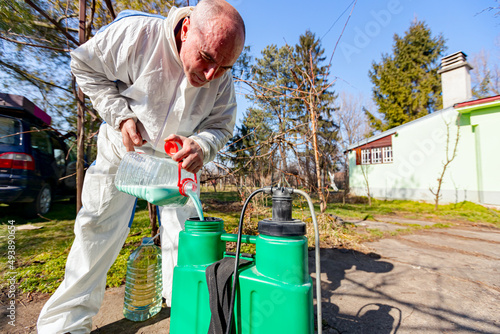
{"points": [[340, 16]]}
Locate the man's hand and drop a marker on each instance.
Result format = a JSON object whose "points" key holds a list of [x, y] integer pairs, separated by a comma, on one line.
{"points": [[191, 154], [131, 137]]}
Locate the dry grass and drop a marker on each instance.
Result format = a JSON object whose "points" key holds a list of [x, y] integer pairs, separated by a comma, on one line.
{"points": [[333, 233]]}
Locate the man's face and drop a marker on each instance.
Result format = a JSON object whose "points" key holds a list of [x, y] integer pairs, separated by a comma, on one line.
{"points": [[207, 55]]}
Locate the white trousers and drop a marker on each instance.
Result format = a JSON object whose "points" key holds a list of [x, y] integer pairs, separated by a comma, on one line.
{"points": [[101, 228]]}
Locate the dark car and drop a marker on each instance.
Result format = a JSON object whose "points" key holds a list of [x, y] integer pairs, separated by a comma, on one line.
{"points": [[36, 162]]}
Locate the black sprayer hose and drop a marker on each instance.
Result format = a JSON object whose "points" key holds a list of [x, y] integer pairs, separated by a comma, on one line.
{"points": [[229, 321]]}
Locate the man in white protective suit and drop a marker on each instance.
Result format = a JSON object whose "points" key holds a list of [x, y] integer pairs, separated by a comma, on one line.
{"points": [[151, 79]]}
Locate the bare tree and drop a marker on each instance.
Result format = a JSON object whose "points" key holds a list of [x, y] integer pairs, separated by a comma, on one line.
{"points": [[485, 77], [448, 159], [354, 127], [292, 93]]}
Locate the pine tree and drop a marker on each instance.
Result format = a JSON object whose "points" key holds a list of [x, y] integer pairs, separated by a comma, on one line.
{"points": [[311, 70], [250, 149], [406, 83], [294, 101]]}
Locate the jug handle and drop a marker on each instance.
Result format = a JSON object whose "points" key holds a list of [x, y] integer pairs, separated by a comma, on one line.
{"points": [[172, 147]]}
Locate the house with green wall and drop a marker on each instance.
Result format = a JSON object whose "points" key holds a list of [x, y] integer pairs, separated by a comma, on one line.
{"points": [[406, 162]]}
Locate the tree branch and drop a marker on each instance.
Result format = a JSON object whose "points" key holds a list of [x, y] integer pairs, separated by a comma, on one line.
{"points": [[54, 22], [110, 8], [31, 78], [88, 27], [33, 45]]}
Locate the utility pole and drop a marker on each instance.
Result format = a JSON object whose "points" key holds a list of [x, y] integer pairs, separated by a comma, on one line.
{"points": [[80, 116]]}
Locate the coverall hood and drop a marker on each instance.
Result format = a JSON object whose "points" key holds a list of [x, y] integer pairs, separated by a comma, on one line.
{"points": [[137, 64]]}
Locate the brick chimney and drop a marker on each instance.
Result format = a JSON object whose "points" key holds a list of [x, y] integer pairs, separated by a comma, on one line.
{"points": [[455, 79]]}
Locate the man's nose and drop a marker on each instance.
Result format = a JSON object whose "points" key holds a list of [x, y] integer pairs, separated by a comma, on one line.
{"points": [[211, 71]]}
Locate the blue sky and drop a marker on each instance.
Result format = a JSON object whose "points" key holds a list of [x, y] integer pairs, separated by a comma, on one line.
{"points": [[463, 23]]}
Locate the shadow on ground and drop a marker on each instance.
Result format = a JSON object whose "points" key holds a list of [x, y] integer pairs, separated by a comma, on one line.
{"points": [[371, 318], [363, 294], [60, 210], [125, 326]]}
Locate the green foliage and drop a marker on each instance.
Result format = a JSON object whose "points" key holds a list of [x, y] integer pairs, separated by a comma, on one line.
{"points": [[463, 211], [225, 196], [375, 232], [406, 83], [249, 141], [272, 115], [438, 225], [41, 254]]}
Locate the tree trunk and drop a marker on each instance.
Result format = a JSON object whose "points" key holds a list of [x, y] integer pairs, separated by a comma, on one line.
{"points": [[322, 199], [152, 211], [80, 120]]}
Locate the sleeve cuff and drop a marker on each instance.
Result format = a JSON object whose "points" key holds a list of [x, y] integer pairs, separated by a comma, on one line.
{"points": [[205, 148], [120, 119]]}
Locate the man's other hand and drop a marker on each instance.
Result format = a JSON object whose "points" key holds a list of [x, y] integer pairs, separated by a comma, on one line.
{"points": [[131, 137], [191, 154]]}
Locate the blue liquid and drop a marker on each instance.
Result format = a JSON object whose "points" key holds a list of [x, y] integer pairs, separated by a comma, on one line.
{"points": [[157, 195], [164, 196], [197, 203]]}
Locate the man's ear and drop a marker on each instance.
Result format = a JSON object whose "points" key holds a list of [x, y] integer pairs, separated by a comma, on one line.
{"points": [[185, 28]]}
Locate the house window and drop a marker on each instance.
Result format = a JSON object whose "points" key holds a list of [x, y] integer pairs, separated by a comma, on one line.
{"points": [[387, 154], [376, 155], [365, 157]]}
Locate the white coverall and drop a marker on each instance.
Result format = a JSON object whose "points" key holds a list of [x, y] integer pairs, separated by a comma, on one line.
{"points": [[132, 70]]}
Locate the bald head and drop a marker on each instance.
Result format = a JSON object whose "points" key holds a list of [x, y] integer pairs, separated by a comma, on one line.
{"points": [[212, 39], [209, 10]]}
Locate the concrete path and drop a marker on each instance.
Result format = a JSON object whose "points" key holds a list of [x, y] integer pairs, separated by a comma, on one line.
{"points": [[432, 281]]}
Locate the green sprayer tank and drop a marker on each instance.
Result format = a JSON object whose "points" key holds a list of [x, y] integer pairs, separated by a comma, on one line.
{"points": [[274, 294]]}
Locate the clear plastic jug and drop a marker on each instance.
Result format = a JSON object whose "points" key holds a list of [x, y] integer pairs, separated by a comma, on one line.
{"points": [[160, 181], [143, 283]]}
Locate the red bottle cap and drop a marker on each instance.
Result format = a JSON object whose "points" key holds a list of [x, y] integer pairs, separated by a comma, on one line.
{"points": [[173, 146]]}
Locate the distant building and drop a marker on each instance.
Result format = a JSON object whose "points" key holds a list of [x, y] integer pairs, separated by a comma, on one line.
{"points": [[406, 161]]}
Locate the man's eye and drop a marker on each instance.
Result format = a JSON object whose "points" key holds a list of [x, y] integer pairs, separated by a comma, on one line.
{"points": [[205, 57]]}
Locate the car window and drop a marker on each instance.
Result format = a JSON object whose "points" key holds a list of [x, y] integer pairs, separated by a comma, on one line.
{"points": [[59, 154], [8, 127], [40, 140]]}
